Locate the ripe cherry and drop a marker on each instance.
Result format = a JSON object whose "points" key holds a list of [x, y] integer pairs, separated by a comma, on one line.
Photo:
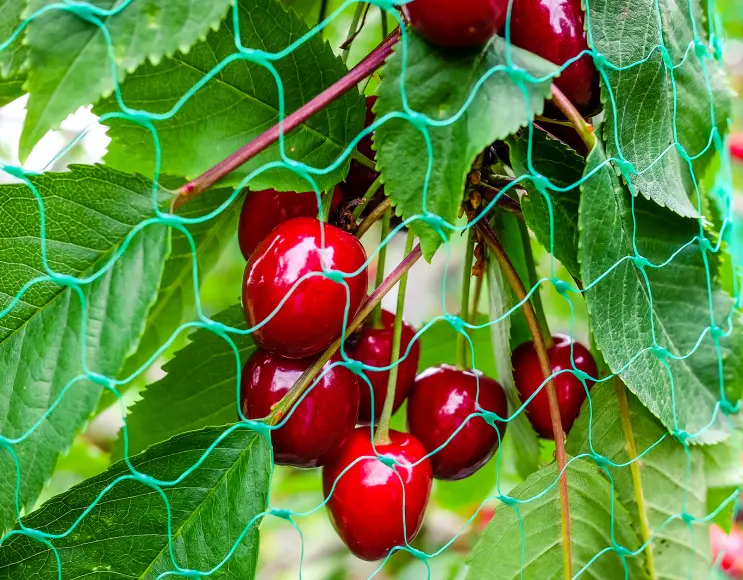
{"points": [[374, 348], [263, 210], [570, 392], [442, 399], [554, 30], [312, 316], [736, 146], [319, 423], [366, 504], [360, 177], [460, 23]]}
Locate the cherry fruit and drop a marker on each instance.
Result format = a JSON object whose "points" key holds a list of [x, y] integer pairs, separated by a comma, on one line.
{"points": [[366, 502], [374, 348], [570, 392], [263, 210], [312, 316], [442, 399], [736, 146], [554, 30], [460, 23], [319, 423]]}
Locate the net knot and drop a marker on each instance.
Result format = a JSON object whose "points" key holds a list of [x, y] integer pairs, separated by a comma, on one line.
{"points": [[517, 75], [716, 332], [14, 171], [436, 222], [455, 321], [491, 418], [256, 426], [660, 351], [281, 513], [728, 408], [420, 555], [355, 366], [621, 551], [540, 182], [667, 60], [688, 518], [561, 286], [700, 49], [627, 168], [641, 262], [335, 276], [681, 436], [507, 500], [169, 220], [418, 120], [714, 42], [64, 279], [599, 60], [704, 244], [100, 380], [82, 10], [390, 462], [600, 460]]}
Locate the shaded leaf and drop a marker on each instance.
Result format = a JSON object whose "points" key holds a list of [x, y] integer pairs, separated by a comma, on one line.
{"points": [[199, 390], [14, 54], [126, 534], [626, 301], [240, 103], [89, 213], [437, 83], [537, 552], [671, 481], [68, 57]]}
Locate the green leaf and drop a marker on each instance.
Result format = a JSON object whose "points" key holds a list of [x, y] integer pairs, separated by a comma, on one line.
{"points": [[519, 429], [674, 297], [655, 105], [14, 55], [591, 501], [68, 57], [89, 213], [126, 534], [240, 103], [724, 477], [671, 481], [563, 167], [199, 390], [437, 83], [11, 88], [176, 300]]}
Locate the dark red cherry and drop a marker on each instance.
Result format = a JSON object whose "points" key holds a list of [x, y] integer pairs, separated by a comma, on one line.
{"points": [[570, 392], [312, 316], [366, 504], [457, 23], [319, 423], [263, 210], [374, 348], [445, 397], [554, 30], [360, 177]]}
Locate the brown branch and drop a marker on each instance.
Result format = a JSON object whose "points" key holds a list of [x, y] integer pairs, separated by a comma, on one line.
{"points": [[371, 62], [483, 227]]}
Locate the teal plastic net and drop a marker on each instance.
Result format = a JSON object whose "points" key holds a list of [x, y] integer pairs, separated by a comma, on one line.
{"points": [[701, 49]]}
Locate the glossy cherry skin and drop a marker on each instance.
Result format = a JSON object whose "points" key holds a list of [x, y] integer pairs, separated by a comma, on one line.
{"points": [[736, 146], [554, 30], [318, 424], [570, 392], [366, 505], [360, 177], [442, 399], [312, 316], [457, 23], [374, 348], [263, 210]]}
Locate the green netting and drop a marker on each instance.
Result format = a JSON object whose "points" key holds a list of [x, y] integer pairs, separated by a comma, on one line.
{"points": [[699, 49]]}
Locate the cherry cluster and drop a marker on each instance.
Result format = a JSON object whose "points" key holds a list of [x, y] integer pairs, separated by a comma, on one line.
{"points": [[304, 281]]}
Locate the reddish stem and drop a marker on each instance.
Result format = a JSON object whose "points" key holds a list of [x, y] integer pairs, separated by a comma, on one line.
{"points": [[371, 62]]}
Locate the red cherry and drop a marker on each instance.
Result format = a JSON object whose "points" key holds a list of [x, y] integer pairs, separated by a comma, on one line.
{"points": [[528, 377], [319, 423], [554, 30], [359, 177], [731, 546], [457, 23], [736, 146], [312, 316], [374, 348], [366, 505], [263, 210], [443, 398]]}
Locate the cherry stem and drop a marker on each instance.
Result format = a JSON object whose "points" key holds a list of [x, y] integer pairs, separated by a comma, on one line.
{"points": [[367, 66], [327, 200], [368, 195], [462, 342], [305, 380], [476, 299], [375, 320], [367, 162], [352, 32], [629, 438], [374, 216], [382, 436], [531, 272], [519, 291], [585, 132]]}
